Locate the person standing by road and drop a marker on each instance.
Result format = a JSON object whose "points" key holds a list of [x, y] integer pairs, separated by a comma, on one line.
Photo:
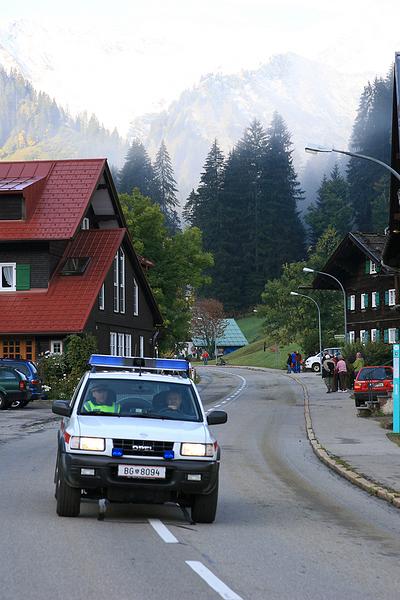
{"points": [[358, 364], [289, 363], [341, 369], [205, 357], [328, 368]]}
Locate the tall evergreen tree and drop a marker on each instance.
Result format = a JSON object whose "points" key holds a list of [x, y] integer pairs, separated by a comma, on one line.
{"points": [[138, 172], [332, 207], [370, 136], [164, 176]]}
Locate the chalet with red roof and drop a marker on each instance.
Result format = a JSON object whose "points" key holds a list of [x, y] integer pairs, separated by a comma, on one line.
{"points": [[67, 263]]}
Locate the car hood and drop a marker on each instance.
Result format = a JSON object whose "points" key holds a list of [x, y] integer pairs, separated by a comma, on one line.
{"points": [[142, 429]]}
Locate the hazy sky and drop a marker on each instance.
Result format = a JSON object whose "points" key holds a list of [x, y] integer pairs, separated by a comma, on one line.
{"points": [[153, 49]]}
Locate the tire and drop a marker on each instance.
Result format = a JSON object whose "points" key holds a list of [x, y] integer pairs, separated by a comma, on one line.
{"points": [[68, 498], [204, 508], [316, 368], [19, 403], [3, 401]]}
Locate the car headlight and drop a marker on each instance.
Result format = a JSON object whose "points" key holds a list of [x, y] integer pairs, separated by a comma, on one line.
{"points": [[87, 443], [188, 449]]}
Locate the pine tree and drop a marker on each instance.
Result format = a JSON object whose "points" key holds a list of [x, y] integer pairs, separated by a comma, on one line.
{"points": [[138, 172], [332, 207], [371, 137], [166, 184]]}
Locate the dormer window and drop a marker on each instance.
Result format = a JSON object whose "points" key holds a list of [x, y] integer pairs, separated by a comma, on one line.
{"points": [[12, 207], [85, 223], [8, 277], [75, 266]]}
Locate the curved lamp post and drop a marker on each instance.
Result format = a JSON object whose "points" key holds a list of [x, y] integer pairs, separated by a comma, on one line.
{"points": [[307, 270], [312, 150], [319, 318]]}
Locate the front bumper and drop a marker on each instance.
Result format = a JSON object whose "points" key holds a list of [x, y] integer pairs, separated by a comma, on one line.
{"points": [[106, 476]]}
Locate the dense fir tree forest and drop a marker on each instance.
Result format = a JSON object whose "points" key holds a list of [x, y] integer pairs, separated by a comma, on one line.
{"points": [[246, 207], [33, 126]]}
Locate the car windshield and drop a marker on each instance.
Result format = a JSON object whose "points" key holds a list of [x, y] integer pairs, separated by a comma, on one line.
{"points": [[375, 373], [140, 398]]}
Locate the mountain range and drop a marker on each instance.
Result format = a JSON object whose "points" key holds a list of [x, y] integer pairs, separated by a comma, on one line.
{"points": [[317, 103]]}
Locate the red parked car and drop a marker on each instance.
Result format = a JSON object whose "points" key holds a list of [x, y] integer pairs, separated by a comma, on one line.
{"points": [[371, 382]]}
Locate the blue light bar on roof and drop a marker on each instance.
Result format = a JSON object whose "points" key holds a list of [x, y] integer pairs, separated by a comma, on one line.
{"points": [[136, 362]]}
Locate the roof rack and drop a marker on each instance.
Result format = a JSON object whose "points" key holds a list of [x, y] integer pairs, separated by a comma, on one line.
{"points": [[136, 363]]}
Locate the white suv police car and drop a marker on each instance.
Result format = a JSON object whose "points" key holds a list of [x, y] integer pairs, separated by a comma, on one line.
{"points": [[135, 431]]}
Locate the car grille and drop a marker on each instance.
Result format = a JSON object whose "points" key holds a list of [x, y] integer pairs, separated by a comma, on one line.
{"points": [[142, 447]]}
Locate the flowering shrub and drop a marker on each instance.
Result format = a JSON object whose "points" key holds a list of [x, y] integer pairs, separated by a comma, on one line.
{"points": [[62, 372]]}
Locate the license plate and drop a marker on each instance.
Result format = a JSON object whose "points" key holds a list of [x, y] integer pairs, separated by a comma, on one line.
{"points": [[378, 384], [141, 472]]}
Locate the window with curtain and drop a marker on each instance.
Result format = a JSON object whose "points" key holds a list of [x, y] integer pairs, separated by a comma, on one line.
{"points": [[8, 278]]}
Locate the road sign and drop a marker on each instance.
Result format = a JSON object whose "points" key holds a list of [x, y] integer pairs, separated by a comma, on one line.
{"points": [[339, 336]]}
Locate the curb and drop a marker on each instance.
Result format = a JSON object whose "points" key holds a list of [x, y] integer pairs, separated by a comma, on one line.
{"points": [[332, 462], [375, 489]]}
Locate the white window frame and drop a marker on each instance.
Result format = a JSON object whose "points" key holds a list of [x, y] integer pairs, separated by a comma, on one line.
{"points": [[135, 298], [373, 299], [373, 335], [352, 302], [141, 346], [121, 277], [116, 284], [85, 223], [128, 344], [13, 287], [113, 343], [392, 297], [101, 298], [362, 333], [121, 344], [54, 344], [372, 267], [392, 335], [352, 337], [363, 298]]}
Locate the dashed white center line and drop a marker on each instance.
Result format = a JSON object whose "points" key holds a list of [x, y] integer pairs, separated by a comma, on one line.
{"points": [[163, 531], [216, 584]]}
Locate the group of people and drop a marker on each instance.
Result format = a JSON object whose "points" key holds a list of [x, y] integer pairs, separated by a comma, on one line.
{"points": [[335, 372], [294, 362]]}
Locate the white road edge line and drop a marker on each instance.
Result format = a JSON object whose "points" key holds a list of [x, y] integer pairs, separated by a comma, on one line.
{"points": [[213, 581], [163, 531]]}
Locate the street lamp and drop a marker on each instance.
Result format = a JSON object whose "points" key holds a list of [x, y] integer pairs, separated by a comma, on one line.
{"points": [[313, 150], [319, 318], [308, 270]]}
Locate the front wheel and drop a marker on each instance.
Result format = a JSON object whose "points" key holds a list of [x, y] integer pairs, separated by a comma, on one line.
{"points": [[68, 498], [316, 368], [204, 508]]}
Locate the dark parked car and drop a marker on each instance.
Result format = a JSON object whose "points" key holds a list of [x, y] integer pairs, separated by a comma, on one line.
{"points": [[13, 388], [372, 382], [28, 368]]}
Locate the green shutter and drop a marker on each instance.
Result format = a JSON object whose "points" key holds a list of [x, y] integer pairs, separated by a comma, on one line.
{"points": [[348, 302], [386, 336], [378, 268], [366, 300], [387, 298], [367, 266], [23, 277], [377, 299], [378, 335]]}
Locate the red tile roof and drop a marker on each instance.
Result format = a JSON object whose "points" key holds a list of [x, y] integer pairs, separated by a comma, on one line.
{"points": [[58, 196], [66, 305]]}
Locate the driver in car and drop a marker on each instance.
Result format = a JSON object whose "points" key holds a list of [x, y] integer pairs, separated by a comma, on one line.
{"points": [[174, 401]]}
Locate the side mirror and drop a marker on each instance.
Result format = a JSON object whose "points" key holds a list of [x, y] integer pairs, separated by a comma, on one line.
{"points": [[61, 407], [217, 417]]}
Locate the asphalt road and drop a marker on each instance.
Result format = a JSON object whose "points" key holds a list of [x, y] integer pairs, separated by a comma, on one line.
{"points": [[286, 527]]}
